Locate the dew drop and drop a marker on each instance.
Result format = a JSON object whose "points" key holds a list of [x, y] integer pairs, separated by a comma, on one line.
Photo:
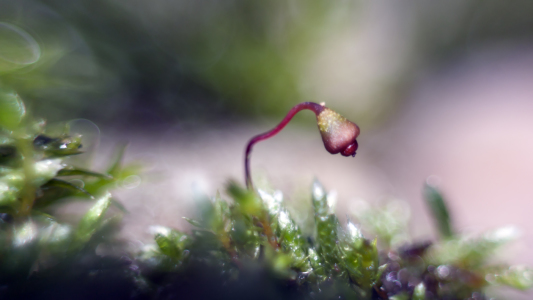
{"points": [[17, 46]]}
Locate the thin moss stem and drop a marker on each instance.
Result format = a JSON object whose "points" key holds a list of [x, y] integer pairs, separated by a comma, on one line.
{"points": [[314, 107], [28, 190]]}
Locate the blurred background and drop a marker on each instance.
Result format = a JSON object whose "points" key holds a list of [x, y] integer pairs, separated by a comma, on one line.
{"points": [[441, 90]]}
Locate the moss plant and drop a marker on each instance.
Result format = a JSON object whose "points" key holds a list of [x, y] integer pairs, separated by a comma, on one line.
{"points": [[250, 247], [253, 248]]}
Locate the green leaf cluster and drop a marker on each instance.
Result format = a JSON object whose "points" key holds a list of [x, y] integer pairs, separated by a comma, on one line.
{"points": [[36, 176], [255, 233]]}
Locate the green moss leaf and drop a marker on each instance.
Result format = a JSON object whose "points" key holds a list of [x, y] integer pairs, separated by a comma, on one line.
{"points": [[73, 171], [8, 194], [25, 234], [172, 243], [67, 185], [167, 246], [12, 109], [116, 164], [92, 220], [319, 198], [193, 222], [471, 252], [272, 201], [292, 241], [519, 277], [326, 227], [45, 170], [247, 200], [437, 206]]}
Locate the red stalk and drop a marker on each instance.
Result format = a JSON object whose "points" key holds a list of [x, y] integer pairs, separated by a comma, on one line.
{"points": [[338, 134]]}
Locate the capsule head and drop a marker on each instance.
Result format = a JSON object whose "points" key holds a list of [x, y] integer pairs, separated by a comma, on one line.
{"points": [[338, 134]]}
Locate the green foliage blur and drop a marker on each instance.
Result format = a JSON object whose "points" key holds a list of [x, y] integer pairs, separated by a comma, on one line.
{"points": [[162, 61], [37, 177]]}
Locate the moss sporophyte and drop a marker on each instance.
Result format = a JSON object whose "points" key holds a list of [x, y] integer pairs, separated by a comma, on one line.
{"points": [[338, 134]]}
